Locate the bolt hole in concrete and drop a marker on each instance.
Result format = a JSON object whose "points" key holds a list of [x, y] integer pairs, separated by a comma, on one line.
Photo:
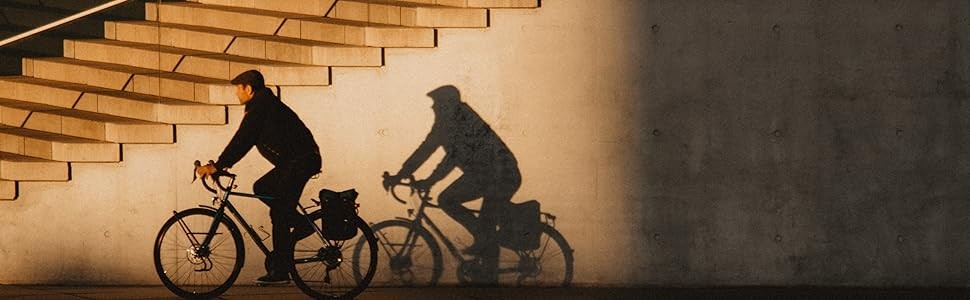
{"points": [[776, 133], [656, 132], [656, 236], [778, 238], [900, 239], [776, 28], [655, 28], [899, 27]]}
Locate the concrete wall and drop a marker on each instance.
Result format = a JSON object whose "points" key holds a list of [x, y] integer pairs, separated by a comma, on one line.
{"points": [[805, 143], [559, 84], [679, 142]]}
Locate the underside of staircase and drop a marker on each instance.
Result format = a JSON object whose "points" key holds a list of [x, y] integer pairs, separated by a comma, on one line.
{"points": [[145, 77]]}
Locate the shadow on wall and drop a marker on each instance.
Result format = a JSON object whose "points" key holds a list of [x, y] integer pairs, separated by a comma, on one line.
{"points": [[514, 244], [18, 16]]}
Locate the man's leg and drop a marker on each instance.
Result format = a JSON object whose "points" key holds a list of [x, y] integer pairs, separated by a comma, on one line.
{"points": [[283, 212], [270, 185], [495, 203], [453, 197]]}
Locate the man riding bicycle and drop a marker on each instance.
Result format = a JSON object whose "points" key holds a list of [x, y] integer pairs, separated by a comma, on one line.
{"points": [[281, 137]]}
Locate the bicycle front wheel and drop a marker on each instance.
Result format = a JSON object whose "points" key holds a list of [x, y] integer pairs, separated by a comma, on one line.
{"points": [[186, 267], [329, 269], [409, 255]]}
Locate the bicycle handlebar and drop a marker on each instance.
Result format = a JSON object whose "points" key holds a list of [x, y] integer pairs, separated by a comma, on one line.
{"points": [[215, 177], [408, 181]]}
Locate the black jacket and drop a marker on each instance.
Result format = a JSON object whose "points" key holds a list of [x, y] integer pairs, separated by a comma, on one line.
{"points": [[275, 130], [469, 144]]}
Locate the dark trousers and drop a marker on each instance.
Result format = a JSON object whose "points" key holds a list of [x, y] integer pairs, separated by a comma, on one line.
{"points": [[285, 183], [496, 193]]}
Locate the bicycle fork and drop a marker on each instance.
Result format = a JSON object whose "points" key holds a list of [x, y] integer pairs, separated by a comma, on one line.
{"points": [[198, 254]]}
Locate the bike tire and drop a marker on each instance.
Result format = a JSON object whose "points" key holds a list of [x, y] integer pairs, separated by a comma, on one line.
{"points": [[184, 282], [312, 256], [401, 267], [551, 265]]}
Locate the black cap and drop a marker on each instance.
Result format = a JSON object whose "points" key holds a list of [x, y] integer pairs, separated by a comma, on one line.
{"points": [[251, 78], [445, 94]]}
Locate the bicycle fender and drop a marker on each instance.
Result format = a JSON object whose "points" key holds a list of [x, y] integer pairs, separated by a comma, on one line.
{"points": [[208, 207]]}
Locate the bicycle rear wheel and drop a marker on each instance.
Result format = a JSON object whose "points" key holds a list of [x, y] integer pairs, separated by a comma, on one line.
{"points": [[329, 269], [189, 270], [550, 265]]}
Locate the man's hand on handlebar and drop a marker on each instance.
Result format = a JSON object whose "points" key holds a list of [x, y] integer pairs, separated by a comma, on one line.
{"points": [[390, 181], [422, 185], [206, 170]]}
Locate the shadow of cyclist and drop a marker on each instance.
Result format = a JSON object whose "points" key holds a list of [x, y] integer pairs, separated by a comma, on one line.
{"points": [[489, 171]]}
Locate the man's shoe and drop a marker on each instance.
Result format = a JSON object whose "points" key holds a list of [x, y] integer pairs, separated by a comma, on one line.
{"points": [[273, 279]]}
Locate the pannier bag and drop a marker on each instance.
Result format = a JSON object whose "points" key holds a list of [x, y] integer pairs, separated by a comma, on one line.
{"points": [[339, 214], [519, 228]]}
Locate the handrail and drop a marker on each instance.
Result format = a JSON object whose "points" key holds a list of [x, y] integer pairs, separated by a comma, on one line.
{"points": [[63, 21]]}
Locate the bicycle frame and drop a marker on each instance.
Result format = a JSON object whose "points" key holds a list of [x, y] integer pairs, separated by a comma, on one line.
{"points": [[225, 204], [421, 218]]}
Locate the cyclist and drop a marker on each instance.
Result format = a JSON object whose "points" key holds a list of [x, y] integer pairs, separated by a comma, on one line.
{"points": [[281, 137], [489, 170]]}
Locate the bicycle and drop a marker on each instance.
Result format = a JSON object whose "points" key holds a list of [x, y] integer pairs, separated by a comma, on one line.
{"points": [[199, 252], [412, 254]]}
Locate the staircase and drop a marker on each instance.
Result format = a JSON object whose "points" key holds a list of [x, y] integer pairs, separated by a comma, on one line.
{"points": [[146, 77]]}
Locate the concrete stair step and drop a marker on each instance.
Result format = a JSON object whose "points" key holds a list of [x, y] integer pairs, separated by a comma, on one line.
{"points": [[8, 190], [358, 33], [139, 80], [140, 55], [307, 52], [245, 44], [193, 62], [83, 124], [15, 167], [410, 14], [236, 18], [62, 95], [116, 103], [215, 40], [56, 147], [481, 3], [104, 75], [311, 7]]}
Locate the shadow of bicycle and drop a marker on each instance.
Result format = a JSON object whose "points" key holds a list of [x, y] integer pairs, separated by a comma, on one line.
{"points": [[515, 243]]}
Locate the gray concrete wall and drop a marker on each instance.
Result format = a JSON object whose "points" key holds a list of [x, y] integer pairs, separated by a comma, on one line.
{"points": [[805, 143], [679, 142]]}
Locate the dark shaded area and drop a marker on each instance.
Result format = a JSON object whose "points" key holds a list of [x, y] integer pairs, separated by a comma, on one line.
{"points": [[18, 16], [806, 143]]}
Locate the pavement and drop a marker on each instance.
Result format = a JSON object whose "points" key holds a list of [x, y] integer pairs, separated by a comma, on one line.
{"points": [[448, 293]]}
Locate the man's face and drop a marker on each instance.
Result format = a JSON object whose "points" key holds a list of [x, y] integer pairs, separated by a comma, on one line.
{"points": [[244, 92]]}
